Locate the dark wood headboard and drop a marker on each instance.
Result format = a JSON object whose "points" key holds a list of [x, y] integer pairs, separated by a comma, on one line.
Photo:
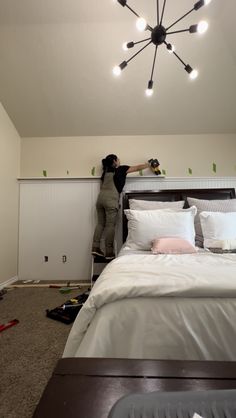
{"points": [[173, 195]]}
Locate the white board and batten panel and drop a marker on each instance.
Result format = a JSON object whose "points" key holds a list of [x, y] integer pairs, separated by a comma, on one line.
{"points": [[172, 183], [56, 220], [58, 217]]}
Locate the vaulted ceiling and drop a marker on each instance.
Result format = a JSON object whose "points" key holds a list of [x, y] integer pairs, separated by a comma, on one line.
{"points": [[56, 69]]}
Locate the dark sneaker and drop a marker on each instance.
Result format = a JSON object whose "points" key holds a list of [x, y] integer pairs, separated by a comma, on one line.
{"points": [[110, 257], [97, 252]]}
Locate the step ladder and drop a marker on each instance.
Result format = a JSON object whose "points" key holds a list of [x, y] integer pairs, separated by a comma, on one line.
{"points": [[97, 266]]}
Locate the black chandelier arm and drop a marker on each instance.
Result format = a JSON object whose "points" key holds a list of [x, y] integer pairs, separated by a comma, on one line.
{"points": [[149, 27], [177, 31], [143, 40], [162, 13], [145, 46], [154, 61], [136, 14], [178, 57], [182, 17], [158, 17]]}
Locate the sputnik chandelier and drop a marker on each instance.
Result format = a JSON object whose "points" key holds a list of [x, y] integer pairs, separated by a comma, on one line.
{"points": [[158, 35]]}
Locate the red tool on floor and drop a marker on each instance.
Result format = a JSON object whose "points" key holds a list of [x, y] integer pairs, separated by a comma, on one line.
{"points": [[8, 325]]}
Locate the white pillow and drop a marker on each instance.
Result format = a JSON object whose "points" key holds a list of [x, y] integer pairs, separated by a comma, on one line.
{"points": [[135, 204], [224, 205], [146, 225], [217, 227]]}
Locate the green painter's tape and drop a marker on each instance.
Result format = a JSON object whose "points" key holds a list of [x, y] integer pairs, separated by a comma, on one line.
{"points": [[141, 172], [93, 171], [190, 171], [45, 173], [214, 167], [163, 172]]}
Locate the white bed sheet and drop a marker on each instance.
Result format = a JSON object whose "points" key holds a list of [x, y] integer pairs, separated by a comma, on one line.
{"points": [[160, 307]]}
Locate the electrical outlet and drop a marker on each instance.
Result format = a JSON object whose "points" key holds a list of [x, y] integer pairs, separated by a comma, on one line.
{"points": [[46, 258], [64, 258]]}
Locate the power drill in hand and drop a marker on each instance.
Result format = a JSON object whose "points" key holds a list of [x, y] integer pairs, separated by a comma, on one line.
{"points": [[154, 165]]}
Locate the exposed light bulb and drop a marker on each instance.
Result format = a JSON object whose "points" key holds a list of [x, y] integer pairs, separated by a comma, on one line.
{"points": [[149, 92], [124, 46], [206, 2], [193, 74], [141, 24], [116, 70], [171, 50], [202, 27]]}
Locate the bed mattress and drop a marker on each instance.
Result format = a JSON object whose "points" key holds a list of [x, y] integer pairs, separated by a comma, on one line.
{"points": [[160, 307]]}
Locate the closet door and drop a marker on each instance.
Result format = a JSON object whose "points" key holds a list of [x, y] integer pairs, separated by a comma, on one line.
{"points": [[56, 225]]}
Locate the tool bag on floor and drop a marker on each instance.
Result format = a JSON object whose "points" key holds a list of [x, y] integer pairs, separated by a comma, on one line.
{"points": [[68, 311]]}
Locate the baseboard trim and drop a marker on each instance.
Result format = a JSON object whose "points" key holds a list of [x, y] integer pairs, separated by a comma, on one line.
{"points": [[8, 282]]}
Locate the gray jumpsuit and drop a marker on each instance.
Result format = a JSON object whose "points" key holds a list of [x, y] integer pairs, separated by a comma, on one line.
{"points": [[107, 209]]}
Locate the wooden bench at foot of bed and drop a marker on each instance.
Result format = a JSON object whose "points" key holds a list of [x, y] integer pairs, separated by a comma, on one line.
{"points": [[89, 387]]}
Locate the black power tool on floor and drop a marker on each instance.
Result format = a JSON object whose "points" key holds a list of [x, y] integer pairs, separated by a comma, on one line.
{"points": [[68, 311]]}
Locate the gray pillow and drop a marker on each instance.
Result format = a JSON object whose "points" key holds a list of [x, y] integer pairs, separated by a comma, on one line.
{"points": [[135, 204], [226, 205]]}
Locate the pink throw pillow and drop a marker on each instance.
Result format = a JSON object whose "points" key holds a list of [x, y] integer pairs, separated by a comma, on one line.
{"points": [[172, 246]]}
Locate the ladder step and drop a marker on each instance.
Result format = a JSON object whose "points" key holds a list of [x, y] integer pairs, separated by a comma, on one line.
{"points": [[95, 277], [98, 259]]}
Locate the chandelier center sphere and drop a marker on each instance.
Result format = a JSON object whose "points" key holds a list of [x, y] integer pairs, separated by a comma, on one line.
{"points": [[158, 35]]}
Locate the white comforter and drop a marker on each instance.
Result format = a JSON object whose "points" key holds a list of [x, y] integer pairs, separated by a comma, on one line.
{"points": [[184, 297]]}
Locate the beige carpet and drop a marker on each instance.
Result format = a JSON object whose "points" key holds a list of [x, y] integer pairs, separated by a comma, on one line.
{"points": [[29, 350]]}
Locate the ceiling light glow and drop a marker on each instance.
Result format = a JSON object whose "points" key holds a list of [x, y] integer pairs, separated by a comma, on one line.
{"points": [[193, 75], [149, 92], [141, 24], [202, 27], [116, 70]]}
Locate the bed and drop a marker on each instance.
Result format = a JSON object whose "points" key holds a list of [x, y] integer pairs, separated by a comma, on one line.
{"points": [[162, 306]]}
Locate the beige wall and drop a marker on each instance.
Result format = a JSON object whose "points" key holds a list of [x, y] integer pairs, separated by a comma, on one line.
{"points": [[176, 153], [9, 171]]}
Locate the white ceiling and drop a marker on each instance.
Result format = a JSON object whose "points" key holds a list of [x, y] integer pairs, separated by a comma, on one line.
{"points": [[56, 69]]}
